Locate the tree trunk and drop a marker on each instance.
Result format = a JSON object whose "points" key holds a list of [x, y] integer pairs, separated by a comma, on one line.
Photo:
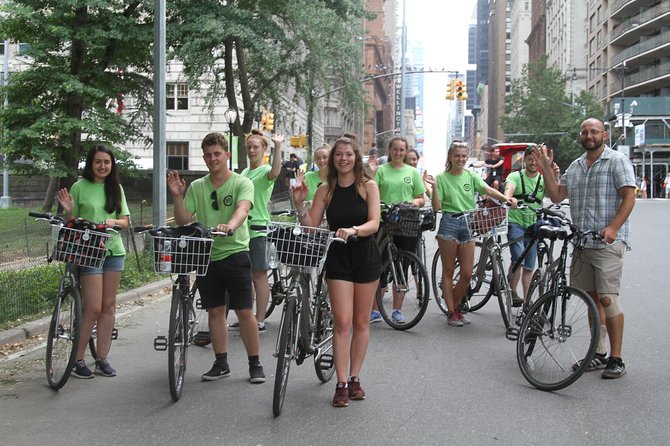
{"points": [[48, 203]]}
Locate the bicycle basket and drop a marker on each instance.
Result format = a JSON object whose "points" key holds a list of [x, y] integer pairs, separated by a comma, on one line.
{"points": [[182, 255], [403, 220], [487, 221], [80, 245], [298, 246]]}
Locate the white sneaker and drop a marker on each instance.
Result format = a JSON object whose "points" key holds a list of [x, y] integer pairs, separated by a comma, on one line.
{"points": [[454, 320]]}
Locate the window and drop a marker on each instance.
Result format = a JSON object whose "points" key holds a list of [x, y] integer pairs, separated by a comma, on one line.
{"points": [[177, 155], [176, 96]]}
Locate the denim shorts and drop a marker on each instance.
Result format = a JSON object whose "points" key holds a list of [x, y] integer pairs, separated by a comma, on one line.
{"points": [[454, 229], [515, 230], [112, 263], [257, 254]]}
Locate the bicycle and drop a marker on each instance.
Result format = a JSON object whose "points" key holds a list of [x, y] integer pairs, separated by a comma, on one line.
{"points": [[408, 276], [306, 325], [559, 334], [180, 250], [76, 243]]}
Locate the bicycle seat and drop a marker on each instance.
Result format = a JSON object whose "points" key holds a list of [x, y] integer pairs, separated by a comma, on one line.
{"points": [[552, 233]]}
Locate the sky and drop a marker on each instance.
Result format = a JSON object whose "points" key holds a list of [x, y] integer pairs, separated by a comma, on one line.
{"points": [[442, 26]]}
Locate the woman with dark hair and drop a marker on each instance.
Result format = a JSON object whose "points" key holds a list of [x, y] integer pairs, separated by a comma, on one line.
{"points": [[98, 197], [351, 203]]}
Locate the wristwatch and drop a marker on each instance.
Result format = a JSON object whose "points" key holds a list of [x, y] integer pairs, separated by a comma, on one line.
{"points": [[355, 228]]}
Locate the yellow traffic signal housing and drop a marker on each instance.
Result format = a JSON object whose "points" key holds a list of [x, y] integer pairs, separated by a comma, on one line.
{"points": [[303, 140], [295, 141], [271, 122], [264, 121], [450, 90], [460, 90]]}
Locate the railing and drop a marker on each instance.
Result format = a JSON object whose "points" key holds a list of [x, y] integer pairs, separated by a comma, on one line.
{"points": [[656, 42], [639, 20]]}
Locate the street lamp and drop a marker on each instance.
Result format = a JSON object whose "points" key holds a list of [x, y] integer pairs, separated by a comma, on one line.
{"points": [[6, 200], [230, 115]]}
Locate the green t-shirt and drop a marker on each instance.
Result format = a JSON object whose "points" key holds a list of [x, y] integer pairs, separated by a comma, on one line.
{"points": [[457, 192], [260, 214], [313, 181], [89, 203], [198, 201], [525, 217], [398, 185]]}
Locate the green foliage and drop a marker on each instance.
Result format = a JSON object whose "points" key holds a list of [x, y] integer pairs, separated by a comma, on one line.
{"points": [[539, 108], [81, 57], [267, 52]]}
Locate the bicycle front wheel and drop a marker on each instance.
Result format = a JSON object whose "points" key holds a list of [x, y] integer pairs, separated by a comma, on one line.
{"points": [[404, 304], [285, 353], [324, 362], [63, 337], [558, 332], [177, 343], [278, 279]]}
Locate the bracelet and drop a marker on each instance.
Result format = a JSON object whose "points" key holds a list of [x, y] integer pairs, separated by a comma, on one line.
{"points": [[302, 213]]}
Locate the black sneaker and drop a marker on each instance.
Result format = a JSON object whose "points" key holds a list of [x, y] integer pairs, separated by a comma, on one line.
{"points": [[103, 368], [615, 368], [517, 300], [202, 339], [262, 328], [256, 375], [217, 371], [80, 370], [599, 361]]}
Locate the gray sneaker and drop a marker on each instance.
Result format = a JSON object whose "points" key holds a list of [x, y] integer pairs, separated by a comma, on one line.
{"points": [[615, 368], [80, 370], [454, 320], [103, 368], [256, 375], [217, 371], [599, 361]]}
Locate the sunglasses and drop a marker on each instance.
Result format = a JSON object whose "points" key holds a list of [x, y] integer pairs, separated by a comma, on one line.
{"points": [[215, 201]]}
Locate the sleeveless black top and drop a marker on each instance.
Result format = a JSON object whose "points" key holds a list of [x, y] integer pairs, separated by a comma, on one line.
{"points": [[346, 208]]}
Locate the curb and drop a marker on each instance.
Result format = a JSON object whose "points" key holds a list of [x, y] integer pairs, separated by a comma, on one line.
{"points": [[40, 326]]}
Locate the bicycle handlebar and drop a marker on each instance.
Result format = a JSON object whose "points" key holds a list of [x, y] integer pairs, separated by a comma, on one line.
{"points": [[160, 230], [56, 219]]}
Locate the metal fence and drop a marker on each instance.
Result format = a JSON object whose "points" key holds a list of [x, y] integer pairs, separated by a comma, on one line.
{"points": [[28, 283]]}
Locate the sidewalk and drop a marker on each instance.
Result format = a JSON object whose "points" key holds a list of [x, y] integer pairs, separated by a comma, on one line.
{"points": [[40, 326]]}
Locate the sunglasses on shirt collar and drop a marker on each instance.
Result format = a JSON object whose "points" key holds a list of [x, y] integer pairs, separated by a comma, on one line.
{"points": [[215, 201]]}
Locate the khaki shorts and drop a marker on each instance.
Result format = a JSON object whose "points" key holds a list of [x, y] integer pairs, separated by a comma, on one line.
{"points": [[598, 270]]}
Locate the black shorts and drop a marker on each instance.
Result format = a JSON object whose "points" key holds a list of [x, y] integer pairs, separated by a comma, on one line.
{"points": [[231, 275], [358, 262]]}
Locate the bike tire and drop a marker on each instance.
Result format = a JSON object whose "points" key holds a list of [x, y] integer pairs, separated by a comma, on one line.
{"points": [[285, 353], [504, 299], [414, 283], [546, 354], [436, 282], [177, 343], [324, 361], [278, 287], [478, 293], [63, 337]]}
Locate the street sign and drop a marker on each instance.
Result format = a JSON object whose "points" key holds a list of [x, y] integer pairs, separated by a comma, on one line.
{"points": [[639, 135]]}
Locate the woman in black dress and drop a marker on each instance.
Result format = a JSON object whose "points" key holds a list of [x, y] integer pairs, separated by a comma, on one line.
{"points": [[351, 204]]}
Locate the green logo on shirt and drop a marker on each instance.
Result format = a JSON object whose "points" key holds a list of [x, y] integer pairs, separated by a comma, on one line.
{"points": [[467, 187], [408, 180], [228, 200]]}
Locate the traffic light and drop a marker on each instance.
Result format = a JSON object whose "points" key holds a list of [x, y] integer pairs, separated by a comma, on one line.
{"points": [[264, 121], [271, 122], [450, 90], [460, 90]]}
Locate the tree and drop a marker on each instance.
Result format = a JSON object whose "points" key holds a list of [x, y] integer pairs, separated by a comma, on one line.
{"points": [[539, 109], [81, 58], [268, 52]]}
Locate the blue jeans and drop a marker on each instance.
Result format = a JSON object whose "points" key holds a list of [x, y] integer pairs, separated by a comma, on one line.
{"points": [[112, 263], [454, 229], [515, 230]]}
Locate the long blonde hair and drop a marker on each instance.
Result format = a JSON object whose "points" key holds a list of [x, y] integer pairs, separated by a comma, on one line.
{"points": [[454, 145]]}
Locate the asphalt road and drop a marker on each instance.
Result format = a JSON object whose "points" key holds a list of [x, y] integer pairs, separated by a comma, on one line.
{"points": [[431, 385]]}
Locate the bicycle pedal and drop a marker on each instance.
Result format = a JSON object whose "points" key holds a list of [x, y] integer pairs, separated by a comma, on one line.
{"points": [[115, 334], [160, 343], [198, 304], [326, 362], [512, 334]]}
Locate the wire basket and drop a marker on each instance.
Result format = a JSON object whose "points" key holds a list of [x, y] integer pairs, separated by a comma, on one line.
{"points": [[182, 255], [403, 221], [487, 221], [297, 246], [82, 247]]}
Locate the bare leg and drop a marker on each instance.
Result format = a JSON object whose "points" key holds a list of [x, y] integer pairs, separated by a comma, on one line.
{"points": [[91, 295], [262, 292], [110, 284]]}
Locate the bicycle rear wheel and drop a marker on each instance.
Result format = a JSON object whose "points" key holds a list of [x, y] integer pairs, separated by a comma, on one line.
{"points": [[63, 337], [177, 343], [558, 332], [285, 353], [324, 363], [409, 291]]}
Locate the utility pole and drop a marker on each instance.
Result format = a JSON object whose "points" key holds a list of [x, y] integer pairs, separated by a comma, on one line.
{"points": [[159, 180], [403, 68], [6, 200]]}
